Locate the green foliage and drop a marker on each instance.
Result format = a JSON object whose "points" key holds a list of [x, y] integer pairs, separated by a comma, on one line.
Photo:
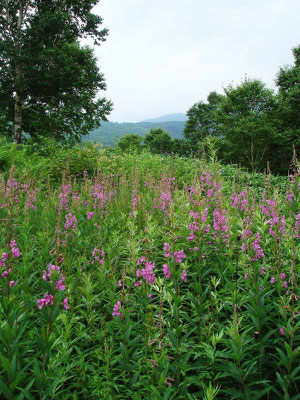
{"points": [[252, 125], [201, 119], [228, 331], [108, 131], [130, 142], [246, 121], [48, 83], [158, 141]]}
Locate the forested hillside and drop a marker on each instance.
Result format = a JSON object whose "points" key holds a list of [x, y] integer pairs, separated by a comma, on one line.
{"points": [[109, 132]]}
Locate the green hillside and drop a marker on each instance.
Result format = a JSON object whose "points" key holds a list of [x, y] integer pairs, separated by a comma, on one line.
{"points": [[108, 132]]}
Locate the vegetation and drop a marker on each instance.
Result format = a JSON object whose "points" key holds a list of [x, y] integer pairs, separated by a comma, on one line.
{"points": [[252, 125], [146, 277], [149, 270], [48, 82], [110, 132]]}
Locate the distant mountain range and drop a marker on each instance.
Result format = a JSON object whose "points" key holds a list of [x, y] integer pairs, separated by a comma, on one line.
{"points": [[168, 117], [109, 132]]}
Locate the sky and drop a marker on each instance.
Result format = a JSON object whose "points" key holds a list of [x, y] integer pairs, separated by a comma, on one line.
{"points": [[163, 56]]}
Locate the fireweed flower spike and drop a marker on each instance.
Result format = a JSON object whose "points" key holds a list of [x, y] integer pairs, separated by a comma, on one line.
{"points": [[71, 222], [65, 303], [98, 256], [166, 271], [184, 276], [46, 301], [3, 259], [58, 286], [116, 310], [15, 251], [179, 256], [148, 272], [167, 250]]}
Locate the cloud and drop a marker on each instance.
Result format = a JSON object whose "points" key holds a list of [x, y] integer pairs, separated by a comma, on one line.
{"points": [[161, 56]]}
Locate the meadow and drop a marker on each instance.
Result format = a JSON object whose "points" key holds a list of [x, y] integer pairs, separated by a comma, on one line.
{"points": [[137, 276]]}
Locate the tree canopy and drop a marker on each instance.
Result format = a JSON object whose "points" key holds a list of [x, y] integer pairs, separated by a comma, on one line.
{"points": [[158, 141], [247, 124], [252, 125], [48, 82], [201, 119]]}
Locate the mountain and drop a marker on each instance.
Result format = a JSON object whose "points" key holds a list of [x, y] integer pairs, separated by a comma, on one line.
{"points": [[109, 132], [168, 117]]}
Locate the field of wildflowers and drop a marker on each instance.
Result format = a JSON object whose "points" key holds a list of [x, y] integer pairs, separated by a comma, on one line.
{"points": [[151, 279]]}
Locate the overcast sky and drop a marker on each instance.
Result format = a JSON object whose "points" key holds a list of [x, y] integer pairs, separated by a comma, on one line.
{"points": [[162, 56]]}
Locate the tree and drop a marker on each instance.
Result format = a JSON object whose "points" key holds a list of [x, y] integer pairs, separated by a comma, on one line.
{"points": [[201, 119], [247, 123], [183, 148], [158, 141], [48, 83], [129, 142], [288, 82]]}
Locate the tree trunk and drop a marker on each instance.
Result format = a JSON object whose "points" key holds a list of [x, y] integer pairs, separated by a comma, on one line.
{"points": [[18, 73], [18, 110]]}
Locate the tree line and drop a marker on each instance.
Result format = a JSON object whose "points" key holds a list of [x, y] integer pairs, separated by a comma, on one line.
{"points": [[50, 85], [249, 124]]}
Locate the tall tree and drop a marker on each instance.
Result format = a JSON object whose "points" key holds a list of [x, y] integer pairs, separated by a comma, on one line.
{"points": [[288, 82], [201, 119], [158, 141], [48, 83], [247, 123]]}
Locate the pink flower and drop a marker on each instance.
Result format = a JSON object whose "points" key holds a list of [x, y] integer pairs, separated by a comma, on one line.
{"points": [[184, 276], [150, 296], [116, 309], [12, 283], [66, 303], [169, 383], [59, 284], [273, 280], [148, 273], [284, 284], [167, 250], [282, 331], [245, 276], [154, 364], [282, 276], [5, 273], [260, 287], [98, 255], [166, 271], [47, 300], [179, 256], [90, 215], [15, 252], [40, 303], [71, 222], [120, 283], [141, 260]]}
